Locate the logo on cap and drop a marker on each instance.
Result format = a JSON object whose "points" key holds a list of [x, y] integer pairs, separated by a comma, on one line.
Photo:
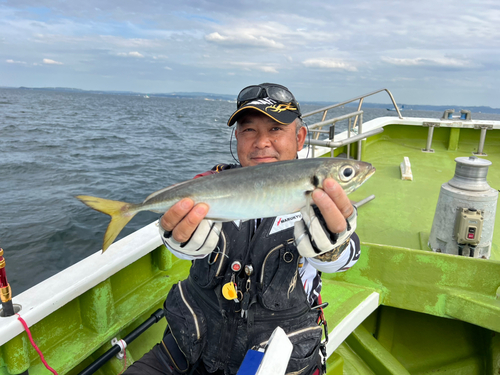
{"points": [[281, 107]]}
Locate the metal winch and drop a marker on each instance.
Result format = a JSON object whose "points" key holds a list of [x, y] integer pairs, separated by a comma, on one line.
{"points": [[465, 213]]}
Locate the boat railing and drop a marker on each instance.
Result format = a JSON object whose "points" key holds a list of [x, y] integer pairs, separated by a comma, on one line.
{"points": [[355, 125], [361, 98]]}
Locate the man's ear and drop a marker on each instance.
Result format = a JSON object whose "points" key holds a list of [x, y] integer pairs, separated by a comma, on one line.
{"points": [[301, 138]]}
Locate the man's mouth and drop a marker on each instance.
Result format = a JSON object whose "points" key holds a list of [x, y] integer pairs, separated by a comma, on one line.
{"points": [[264, 159]]}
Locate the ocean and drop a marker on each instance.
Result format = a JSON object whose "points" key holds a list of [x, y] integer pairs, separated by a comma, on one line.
{"points": [[55, 145]]}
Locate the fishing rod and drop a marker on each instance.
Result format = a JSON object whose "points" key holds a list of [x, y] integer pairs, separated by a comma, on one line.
{"points": [[6, 294], [119, 346], [5, 290]]}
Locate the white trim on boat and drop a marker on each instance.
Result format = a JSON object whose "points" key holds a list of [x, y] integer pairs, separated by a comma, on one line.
{"points": [[351, 322], [53, 293]]}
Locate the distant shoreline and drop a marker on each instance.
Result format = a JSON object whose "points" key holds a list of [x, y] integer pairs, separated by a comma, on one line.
{"points": [[211, 96]]}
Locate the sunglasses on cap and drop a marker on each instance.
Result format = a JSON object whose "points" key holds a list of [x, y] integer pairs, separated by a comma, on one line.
{"points": [[264, 90]]}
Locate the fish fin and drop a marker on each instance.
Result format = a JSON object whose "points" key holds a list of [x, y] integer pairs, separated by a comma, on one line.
{"points": [[121, 213]]}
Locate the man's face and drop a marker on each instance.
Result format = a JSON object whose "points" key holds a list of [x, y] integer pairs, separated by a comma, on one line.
{"points": [[263, 140]]}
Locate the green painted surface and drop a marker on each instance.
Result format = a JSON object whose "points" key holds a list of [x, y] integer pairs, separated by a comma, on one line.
{"points": [[163, 258], [335, 364], [428, 282], [353, 363], [16, 355], [342, 298], [436, 287], [97, 307], [454, 138], [374, 354], [403, 209], [426, 344]]}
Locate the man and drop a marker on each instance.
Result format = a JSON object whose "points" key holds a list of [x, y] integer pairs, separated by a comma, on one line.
{"points": [[249, 277]]}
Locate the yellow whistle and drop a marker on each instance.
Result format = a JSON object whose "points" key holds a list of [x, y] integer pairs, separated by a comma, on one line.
{"points": [[229, 291]]}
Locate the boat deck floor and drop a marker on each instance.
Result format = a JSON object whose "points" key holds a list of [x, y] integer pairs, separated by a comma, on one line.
{"points": [[430, 302], [402, 212]]}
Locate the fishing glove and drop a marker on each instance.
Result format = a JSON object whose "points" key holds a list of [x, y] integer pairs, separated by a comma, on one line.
{"points": [[202, 242], [313, 239]]}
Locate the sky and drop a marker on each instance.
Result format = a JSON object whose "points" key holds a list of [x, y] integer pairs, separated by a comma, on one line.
{"points": [[426, 52]]}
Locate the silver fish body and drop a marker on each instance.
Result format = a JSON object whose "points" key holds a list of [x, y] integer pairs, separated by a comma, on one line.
{"points": [[265, 190]]}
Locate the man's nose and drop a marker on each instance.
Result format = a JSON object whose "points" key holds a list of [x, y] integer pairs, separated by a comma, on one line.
{"points": [[262, 140]]}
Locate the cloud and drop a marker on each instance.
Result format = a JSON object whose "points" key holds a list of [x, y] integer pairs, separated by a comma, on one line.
{"points": [[51, 62], [273, 35], [243, 38], [123, 42], [268, 69], [10, 61], [372, 42], [135, 54], [435, 61], [131, 54], [327, 63], [256, 66]]}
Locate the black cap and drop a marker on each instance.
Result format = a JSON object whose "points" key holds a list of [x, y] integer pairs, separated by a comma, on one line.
{"points": [[273, 100]]}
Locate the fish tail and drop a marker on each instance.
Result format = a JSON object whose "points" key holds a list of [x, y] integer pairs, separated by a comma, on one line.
{"points": [[121, 213]]}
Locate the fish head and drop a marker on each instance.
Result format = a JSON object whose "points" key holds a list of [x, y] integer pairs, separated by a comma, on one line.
{"points": [[349, 173]]}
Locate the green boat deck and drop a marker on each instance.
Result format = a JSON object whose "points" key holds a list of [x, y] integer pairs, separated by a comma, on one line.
{"points": [[402, 212], [427, 297]]}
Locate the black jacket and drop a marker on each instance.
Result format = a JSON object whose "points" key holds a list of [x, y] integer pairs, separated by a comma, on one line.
{"points": [[209, 327]]}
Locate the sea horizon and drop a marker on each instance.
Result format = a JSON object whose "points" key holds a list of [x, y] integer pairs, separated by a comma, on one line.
{"points": [[232, 98]]}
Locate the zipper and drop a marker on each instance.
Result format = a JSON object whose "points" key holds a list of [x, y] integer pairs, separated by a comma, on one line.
{"points": [[265, 260], [290, 335], [223, 253], [281, 316], [192, 312], [289, 241]]}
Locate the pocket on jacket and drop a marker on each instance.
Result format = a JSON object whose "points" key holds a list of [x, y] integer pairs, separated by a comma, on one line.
{"points": [[280, 282], [186, 321], [207, 272], [305, 337]]}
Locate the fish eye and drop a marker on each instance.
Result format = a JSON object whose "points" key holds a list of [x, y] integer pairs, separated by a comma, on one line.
{"points": [[346, 173]]}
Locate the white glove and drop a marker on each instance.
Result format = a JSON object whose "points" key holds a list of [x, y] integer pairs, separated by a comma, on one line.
{"points": [[202, 242], [313, 238]]}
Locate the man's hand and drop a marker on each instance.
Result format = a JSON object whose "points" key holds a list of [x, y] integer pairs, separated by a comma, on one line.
{"points": [[183, 218], [185, 230], [334, 205], [326, 236]]}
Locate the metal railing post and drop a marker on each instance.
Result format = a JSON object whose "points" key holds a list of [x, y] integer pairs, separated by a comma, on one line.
{"points": [[360, 132], [482, 139], [349, 136], [430, 133], [359, 109]]}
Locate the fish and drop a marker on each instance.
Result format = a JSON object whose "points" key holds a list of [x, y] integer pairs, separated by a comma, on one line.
{"points": [[264, 190]]}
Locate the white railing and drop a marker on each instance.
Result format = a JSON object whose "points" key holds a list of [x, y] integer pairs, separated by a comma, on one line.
{"points": [[355, 121]]}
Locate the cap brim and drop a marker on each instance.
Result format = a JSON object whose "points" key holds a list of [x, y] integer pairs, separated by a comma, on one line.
{"points": [[278, 112]]}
